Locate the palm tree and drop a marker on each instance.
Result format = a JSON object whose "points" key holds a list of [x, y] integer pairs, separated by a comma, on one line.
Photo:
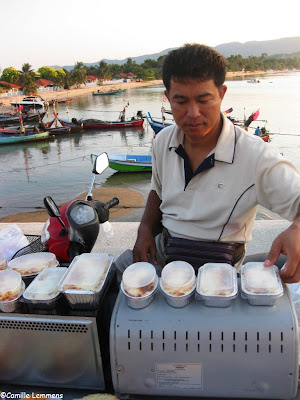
{"points": [[79, 73], [28, 79]]}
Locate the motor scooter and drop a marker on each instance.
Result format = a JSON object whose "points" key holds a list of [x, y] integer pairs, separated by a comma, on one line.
{"points": [[73, 229]]}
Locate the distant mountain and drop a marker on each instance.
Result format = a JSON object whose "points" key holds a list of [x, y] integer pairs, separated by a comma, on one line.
{"points": [[277, 48], [284, 46]]}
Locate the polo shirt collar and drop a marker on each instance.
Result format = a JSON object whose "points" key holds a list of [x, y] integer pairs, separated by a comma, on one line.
{"points": [[225, 148]]}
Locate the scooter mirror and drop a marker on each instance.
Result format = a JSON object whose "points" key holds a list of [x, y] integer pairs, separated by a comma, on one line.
{"points": [[53, 211], [101, 163], [51, 207]]}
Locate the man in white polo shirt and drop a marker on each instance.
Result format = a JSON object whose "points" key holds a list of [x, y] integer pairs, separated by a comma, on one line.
{"points": [[209, 176]]}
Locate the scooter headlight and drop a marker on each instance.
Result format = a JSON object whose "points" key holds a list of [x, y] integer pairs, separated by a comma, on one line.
{"points": [[82, 214], [45, 235]]}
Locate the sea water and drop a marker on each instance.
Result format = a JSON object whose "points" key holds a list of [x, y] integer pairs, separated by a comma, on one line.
{"points": [[62, 167]]}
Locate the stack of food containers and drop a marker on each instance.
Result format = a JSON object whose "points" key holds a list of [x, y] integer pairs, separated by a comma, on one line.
{"points": [[216, 284], [11, 289], [177, 283], [260, 285], [84, 280], [139, 283], [43, 291]]}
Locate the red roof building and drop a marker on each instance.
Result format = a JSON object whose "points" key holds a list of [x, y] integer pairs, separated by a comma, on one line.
{"points": [[12, 86], [92, 78], [44, 82]]}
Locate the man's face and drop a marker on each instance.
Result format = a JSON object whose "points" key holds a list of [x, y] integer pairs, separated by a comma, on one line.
{"points": [[196, 106]]}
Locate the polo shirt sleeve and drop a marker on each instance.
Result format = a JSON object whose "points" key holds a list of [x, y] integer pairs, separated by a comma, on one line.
{"points": [[277, 184], [155, 179]]}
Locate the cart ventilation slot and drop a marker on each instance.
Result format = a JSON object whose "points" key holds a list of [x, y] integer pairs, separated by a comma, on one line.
{"points": [[200, 341], [43, 326]]}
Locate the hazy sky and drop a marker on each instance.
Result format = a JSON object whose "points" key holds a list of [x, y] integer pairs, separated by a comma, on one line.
{"points": [[62, 32]]}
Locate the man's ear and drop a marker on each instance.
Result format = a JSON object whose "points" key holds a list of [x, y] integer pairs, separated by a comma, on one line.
{"points": [[222, 91], [167, 94]]}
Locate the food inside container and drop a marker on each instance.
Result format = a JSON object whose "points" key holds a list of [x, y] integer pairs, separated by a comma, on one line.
{"points": [[3, 262], [87, 272], [33, 264], [258, 279], [216, 279], [10, 285], [45, 285], [178, 278], [216, 284], [139, 279]]}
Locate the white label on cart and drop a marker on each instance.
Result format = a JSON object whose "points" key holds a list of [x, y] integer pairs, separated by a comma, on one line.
{"points": [[179, 376]]}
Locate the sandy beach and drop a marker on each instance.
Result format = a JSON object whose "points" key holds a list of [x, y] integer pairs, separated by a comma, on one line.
{"points": [[75, 92]]}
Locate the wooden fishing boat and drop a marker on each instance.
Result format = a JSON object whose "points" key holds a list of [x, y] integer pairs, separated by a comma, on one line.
{"points": [[57, 101], [56, 127], [110, 92], [67, 124], [13, 119], [17, 137], [130, 162], [99, 124], [156, 126]]}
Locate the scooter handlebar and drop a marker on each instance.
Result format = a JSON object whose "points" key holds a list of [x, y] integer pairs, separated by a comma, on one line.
{"points": [[111, 203], [103, 208]]}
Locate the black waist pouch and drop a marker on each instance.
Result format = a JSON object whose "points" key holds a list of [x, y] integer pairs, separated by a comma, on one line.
{"points": [[198, 253]]}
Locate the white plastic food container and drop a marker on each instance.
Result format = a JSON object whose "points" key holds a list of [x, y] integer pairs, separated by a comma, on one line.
{"points": [[216, 284], [139, 283], [33, 263], [84, 280], [11, 289], [260, 285], [177, 283], [3, 262], [43, 291]]}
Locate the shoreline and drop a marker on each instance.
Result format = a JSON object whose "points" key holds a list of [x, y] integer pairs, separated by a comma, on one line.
{"points": [[76, 92]]}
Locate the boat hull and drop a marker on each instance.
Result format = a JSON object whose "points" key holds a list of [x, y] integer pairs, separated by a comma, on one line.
{"points": [[15, 120], [18, 138], [111, 125], [131, 163]]}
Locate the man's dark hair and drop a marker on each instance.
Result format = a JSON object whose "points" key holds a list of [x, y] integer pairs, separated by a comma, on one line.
{"points": [[194, 61]]}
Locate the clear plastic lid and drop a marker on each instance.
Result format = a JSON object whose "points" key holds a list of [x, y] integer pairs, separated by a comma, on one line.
{"points": [[178, 278], [3, 262], [258, 279], [45, 285], [87, 271], [216, 279], [139, 279], [34, 263], [10, 285]]}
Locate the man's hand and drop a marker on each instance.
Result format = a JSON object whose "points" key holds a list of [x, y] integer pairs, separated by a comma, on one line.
{"points": [[144, 245], [288, 243]]}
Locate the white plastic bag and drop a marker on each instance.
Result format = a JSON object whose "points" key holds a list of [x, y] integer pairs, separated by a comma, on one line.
{"points": [[12, 239], [106, 230]]}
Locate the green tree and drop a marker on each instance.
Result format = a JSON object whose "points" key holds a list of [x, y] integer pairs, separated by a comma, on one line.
{"points": [[10, 75], [48, 73], [60, 77], [28, 79], [79, 74]]}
